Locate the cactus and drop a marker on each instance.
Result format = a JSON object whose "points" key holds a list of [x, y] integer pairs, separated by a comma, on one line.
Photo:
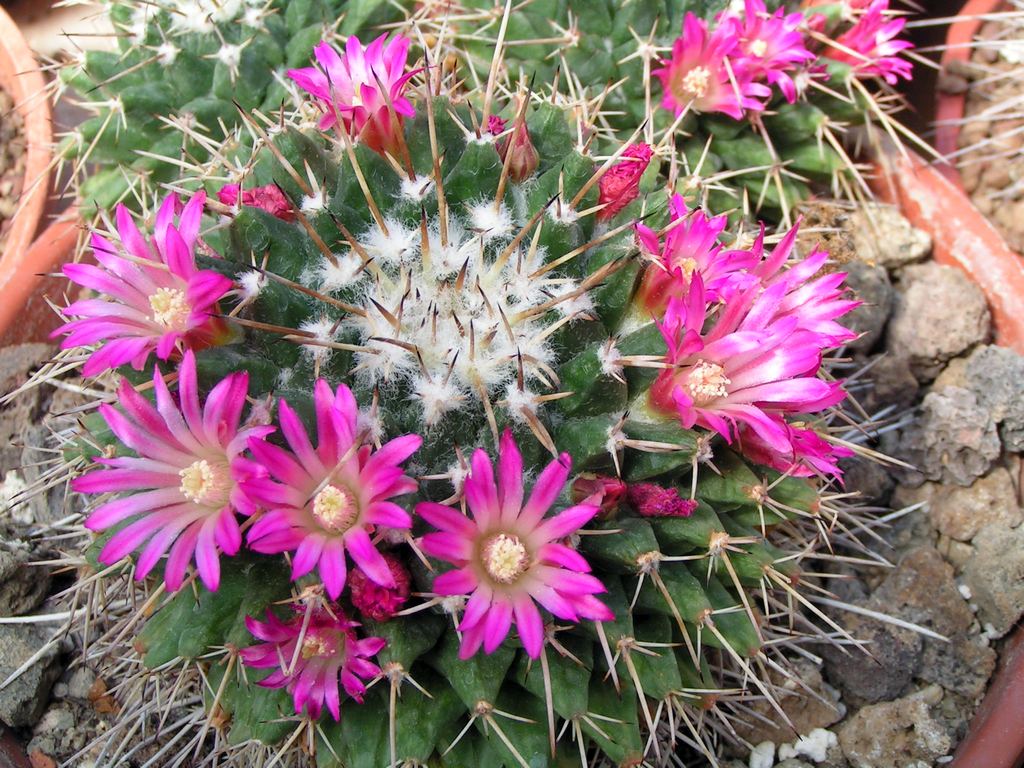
{"points": [[165, 100], [396, 289], [763, 160]]}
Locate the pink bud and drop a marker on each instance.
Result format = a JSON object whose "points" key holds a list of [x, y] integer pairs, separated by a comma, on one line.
{"points": [[650, 500], [269, 198], [599, 491], [525, 159], [376, 602], [495, 125], [620, 184]]}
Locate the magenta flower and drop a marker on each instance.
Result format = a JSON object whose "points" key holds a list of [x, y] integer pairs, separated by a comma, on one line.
{"points": [[620, 184], [312, 664], [815, 303], [156, 298], [870, 47], [691, 245], [698, 74], [769, 46], [509, 557], [267, 198], [189, 469], [651, 500], [747, 368], [329, 499], [354, 89], [810, 453]]}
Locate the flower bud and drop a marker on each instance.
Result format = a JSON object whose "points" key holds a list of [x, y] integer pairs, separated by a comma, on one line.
{"points": [[525, 159], [650, 500], [620, 184], [376, 602], [600, 491], [269, 198]]}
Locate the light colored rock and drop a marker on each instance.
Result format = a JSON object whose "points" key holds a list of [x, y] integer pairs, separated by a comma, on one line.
{"points": [[939, 313], [883, 236], [762, 756], [22, 586], [961, 512], [953, 441], [995, 576], [871, 285], [896, 734], [814, 745], [996, 376]]}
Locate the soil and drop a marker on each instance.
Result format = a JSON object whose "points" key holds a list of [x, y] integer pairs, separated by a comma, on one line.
{"points": [[12, 162], [992, 137]]}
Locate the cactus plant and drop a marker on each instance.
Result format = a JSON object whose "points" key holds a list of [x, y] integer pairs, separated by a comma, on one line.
{"points": [[773, 93], [395, 291], [165, 100]]}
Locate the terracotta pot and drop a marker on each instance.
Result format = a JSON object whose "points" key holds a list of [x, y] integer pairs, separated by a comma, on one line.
{"points": [[949, 109], [26, 283], [21, 77]]}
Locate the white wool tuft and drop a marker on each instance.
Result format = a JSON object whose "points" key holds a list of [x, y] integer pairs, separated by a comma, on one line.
{"points": [[230, 56], [333, 276], [489, 223], [437, 397], [166, 53], [252, 283], [314, 203], [610, 358], [519, 399], [369, 422], [396, 247], [417, 189], [457, 474], [323, 329]]}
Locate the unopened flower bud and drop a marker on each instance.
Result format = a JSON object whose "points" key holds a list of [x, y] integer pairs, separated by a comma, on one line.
{"points": [[650, 500], [269, 198], [377, 602], [600, 491], [525, 159], [620, 184]]}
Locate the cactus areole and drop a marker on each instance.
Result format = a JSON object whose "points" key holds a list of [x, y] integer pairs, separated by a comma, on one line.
{"points": [[438, 418]]}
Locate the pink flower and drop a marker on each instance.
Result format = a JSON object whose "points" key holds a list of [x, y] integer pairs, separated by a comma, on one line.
{"points": [[870, 47], [508, 557], [374, 601], [309, 664], [691, 245], [329, 499], [748, 366], [810, 453], [354, 89], [268, 198], [650, 500], [620, 184], [698, 74], [189, 470], [155, 298], [815, 303], [769, 46]]}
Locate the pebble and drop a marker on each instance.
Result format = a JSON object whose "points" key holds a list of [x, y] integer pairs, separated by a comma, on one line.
{"points": [[883, 236], [23, 701], [939, 313], [896, 734]]}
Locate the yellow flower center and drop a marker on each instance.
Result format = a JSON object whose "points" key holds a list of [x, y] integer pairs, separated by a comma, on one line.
{"points": [[205, 483], [707, 381], [505, 558], [688, 267], [315, 644], [758, 48], [170, 308], [335, 508], [695, 82]]}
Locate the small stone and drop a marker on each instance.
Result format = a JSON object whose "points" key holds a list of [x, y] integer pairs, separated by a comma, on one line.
{"points": [[953, 375], [807, 713], [896, 734], [954, 440], [814, 745], [939, 314], [883, 675], [868, 478], [23, 701], [892, 384], [996, 376], [870, 284], [22, 586], [80, 685], [41, 760], [961, 512], [883, 236], [762, 756], [995, 576]]}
